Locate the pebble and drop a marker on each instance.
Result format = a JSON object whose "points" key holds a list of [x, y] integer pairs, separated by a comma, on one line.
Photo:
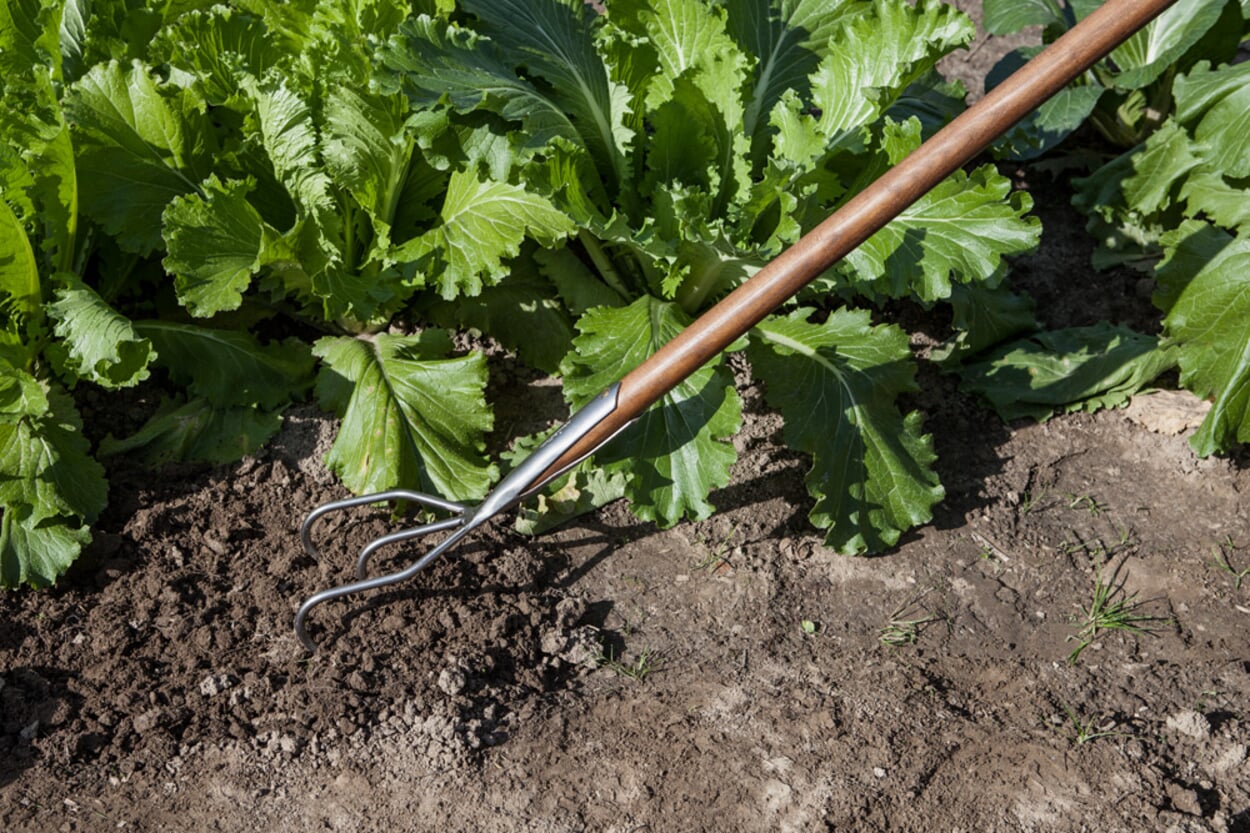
{"points": [[452, 681], [1190, 723], [147, 721], [215, 684]]}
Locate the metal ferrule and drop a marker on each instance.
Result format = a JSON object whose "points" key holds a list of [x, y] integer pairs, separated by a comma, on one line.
{"points": [[523, 480]]}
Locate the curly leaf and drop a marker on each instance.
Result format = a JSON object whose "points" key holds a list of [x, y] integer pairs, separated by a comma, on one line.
{"points": [[45, 464], [103, 345], [483, 222], [836, 384], [553, 39], [959, 231], [677, 451], [876, 57], [524, 313], [37, 552], [411, 418], [215, 240]]}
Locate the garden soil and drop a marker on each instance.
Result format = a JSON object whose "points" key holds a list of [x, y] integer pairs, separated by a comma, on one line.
{"points": [[728, 675]]}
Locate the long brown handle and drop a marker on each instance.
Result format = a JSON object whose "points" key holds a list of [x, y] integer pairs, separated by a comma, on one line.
{"points": [[950, 148]]}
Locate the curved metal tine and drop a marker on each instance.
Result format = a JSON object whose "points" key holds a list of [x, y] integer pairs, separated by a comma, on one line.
{"points": [[362, 561], [305, 531], [301, 616]]}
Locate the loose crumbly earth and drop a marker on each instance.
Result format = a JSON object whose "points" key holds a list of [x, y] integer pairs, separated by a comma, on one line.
{"points": [[730, 675]]}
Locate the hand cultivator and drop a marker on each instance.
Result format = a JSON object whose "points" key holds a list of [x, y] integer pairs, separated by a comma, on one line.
{"points": [[614, 409]]}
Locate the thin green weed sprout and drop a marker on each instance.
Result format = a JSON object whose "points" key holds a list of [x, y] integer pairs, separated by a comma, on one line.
{"points": [[1086, 731], [1111, 609], [716, 558], [646, 664], [1223, 561], [903, 627], [1087, 502]]}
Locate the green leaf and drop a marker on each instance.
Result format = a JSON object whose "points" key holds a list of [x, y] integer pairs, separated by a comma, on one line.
{"points": [[836, 384], [45, 464], [1050, 123], [37, 175], [1215, 104], [197, 431], [217, 46], [215, 240], [787, 44], [876, 58], [433, 63], [103, 345], [1148, 54], [1082, 368], [482, 223], [37, 552], [553, 40], [1006, 17], [678, 450], [1209, 321], [584, 489], [21, 396], [229, 367], [411, 418], [20, 287], [28, 36], [958, 232], [368, 151], [139, 147], [289, 136]]}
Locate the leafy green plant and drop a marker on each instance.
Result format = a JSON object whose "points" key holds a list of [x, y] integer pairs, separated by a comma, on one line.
{"points": [[1173, 205], [241, 202], [1126, 95], [644, 665], [688, 141]]}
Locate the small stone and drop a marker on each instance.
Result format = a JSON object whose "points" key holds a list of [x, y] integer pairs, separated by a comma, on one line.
{"points": [[215, 684], [147, 721], [878, 772], [452, 681], [1183, 799], [552, 642], [1190, 723], [1228, 760]]}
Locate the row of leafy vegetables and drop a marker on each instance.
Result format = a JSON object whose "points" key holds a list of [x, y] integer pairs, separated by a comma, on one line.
{"points": [[240, 205]]}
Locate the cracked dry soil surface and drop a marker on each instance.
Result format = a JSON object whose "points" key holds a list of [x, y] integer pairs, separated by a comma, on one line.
{"points": [[729, 675]]}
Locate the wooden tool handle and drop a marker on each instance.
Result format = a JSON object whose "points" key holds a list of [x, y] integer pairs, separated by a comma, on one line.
{"points": [[948, 150]]}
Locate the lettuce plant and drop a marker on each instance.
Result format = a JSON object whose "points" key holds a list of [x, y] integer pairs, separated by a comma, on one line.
{"points": [[1173, 205], [245, 201], [686, 142]]}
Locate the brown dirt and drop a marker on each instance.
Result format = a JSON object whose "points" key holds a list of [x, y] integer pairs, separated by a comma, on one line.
{"points": [[160, 687]]}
